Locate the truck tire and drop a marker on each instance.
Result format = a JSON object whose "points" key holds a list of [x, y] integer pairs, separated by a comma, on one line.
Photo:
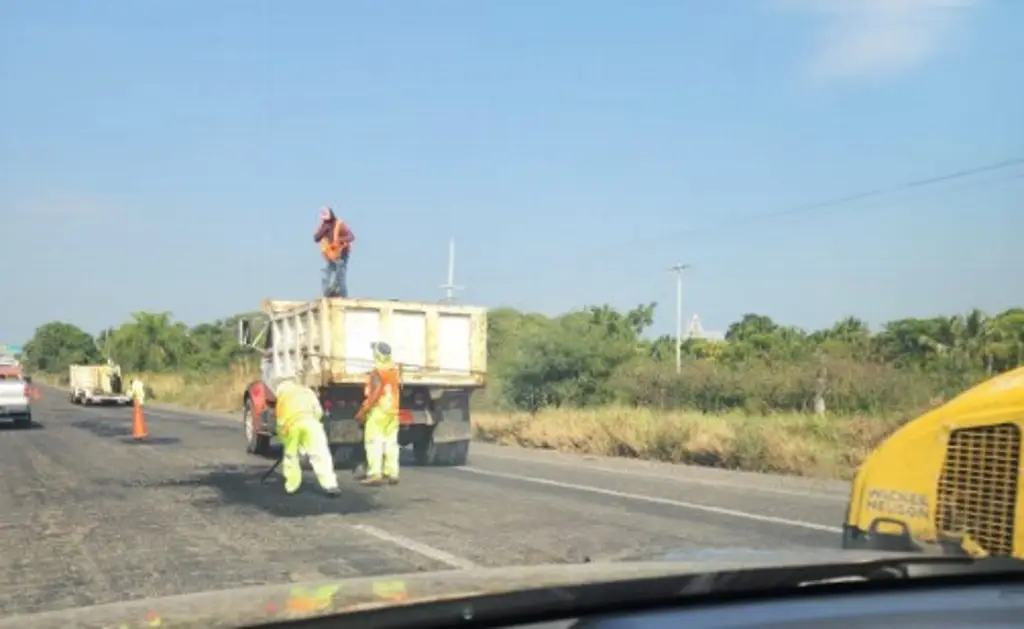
{"points": [[451, 454], [24, 421], [255, 443]]}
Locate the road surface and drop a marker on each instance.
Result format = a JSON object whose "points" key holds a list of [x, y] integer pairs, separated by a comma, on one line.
{"points": [[88, 517]]}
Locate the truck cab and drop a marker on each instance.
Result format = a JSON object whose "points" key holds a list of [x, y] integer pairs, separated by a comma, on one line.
{"points": [[948, 482], [440, 351]]}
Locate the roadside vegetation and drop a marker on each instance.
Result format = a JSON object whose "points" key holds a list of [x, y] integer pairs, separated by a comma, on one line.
{"points": [[769, 397]]}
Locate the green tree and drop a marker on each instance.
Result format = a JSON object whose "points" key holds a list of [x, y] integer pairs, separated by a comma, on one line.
{"points": [[57, 345], [599, 354]]}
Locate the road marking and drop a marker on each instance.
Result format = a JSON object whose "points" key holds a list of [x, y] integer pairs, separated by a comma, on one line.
{"points": [[656, 500], [816, 495], [410, 544], [585, 464]]}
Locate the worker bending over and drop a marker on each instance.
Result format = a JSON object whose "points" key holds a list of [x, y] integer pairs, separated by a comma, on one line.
{"points": [[299, 426], [380, 409], [335, 240]]}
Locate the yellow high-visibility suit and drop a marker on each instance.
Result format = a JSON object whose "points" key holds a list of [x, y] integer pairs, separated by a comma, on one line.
{"points": [[380, 408], [299, 415], [138, 392]]}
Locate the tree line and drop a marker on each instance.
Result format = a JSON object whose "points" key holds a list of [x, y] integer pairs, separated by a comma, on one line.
{"points": [[599, 355]]}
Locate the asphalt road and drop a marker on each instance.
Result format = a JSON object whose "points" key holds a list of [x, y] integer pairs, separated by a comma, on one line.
{"points": [[87, 516]]}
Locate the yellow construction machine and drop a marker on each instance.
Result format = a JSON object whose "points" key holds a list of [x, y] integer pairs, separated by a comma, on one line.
{"points": [[948, 482]]}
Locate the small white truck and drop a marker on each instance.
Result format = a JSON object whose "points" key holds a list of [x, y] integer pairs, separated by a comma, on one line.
{"points": [[97, 384], [15, 402], [440, 350]]}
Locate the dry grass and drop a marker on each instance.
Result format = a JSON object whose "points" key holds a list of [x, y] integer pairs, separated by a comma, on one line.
{"points": [[805, 445]]}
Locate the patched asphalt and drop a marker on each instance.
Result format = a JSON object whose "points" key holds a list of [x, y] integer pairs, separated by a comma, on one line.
{"points": [[89, 516]]}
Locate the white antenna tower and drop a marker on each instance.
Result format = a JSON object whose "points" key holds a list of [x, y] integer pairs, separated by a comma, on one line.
{"points": [[450, 287]]}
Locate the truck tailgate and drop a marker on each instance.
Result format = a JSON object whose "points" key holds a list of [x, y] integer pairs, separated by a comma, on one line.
{"points": [[328, 340]]}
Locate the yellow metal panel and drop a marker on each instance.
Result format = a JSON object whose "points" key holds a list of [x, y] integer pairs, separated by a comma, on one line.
{"points": [[963, 456]]}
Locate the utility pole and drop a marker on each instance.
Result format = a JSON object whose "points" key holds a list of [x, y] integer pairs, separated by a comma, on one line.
{"points": [[450, 286], [678, 269]]}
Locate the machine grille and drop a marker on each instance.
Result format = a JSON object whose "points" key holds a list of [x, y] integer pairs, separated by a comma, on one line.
{"points": [[977, 492]]}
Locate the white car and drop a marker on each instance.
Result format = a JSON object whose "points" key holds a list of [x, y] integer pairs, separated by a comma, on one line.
{"points": [[15, 403]]}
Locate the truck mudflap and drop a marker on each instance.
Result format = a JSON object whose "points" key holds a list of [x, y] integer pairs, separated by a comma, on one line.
{"points": [[349, 431], [343, 431], [452, 430]]}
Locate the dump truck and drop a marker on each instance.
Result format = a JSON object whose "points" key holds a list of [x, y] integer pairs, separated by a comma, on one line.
{"points": [[97, 384], [948, 482], [439, 349]]}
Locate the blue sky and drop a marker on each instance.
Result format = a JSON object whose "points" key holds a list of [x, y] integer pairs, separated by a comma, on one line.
{"points": [[173, 155]]}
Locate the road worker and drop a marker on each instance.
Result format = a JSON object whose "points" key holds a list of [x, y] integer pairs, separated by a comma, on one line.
{"points": [[380, 410], [138, 391], [335, 240], [109, 375], [299, 416]]}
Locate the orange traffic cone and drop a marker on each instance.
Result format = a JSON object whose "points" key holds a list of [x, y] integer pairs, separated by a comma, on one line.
{"points": [[139, 423]]}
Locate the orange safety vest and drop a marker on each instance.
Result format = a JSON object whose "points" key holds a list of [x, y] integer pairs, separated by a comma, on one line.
{"points": [[389, 398], [331, 246]]}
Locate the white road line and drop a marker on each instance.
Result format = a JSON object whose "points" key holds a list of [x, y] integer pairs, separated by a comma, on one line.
{"points": [[587, 465], [410, 544], [655, 500], [816, 495]]}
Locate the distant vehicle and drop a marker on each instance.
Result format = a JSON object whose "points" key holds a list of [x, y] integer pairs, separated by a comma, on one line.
{"points": [[440, 350], [97, 384], [948, 482], [15, 401], [10, 368]]}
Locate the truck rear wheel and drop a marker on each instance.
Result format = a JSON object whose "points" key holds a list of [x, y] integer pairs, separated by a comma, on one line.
{"points": [[255, 443], [428, 452]]}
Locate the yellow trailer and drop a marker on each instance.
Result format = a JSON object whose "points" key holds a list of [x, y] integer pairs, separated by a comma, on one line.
{"points": [[440, 350], [949, 481]]}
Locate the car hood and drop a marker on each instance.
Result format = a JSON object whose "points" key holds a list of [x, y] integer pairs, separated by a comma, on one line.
{"points": [[259, 604]]}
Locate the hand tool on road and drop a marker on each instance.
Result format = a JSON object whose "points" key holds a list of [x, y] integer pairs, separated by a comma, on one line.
{"points": [[273, 467]]}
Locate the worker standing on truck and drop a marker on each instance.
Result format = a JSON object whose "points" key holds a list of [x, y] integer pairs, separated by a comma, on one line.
{"points": [[299, 415], [335, 240], [380, 409]]}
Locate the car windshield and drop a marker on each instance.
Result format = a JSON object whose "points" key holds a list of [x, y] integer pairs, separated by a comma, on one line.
{"points": [[752, 246]]}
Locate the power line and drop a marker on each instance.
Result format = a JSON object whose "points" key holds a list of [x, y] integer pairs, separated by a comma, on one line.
{"points": [[732, 223], [916, 183], [740, 221]]}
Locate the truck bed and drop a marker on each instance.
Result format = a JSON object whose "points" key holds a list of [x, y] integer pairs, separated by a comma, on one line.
{"points": [[87, 386], [327, 341]]}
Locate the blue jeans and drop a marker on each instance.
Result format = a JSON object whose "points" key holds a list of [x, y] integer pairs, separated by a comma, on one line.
{"points": [[334, 282]]}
